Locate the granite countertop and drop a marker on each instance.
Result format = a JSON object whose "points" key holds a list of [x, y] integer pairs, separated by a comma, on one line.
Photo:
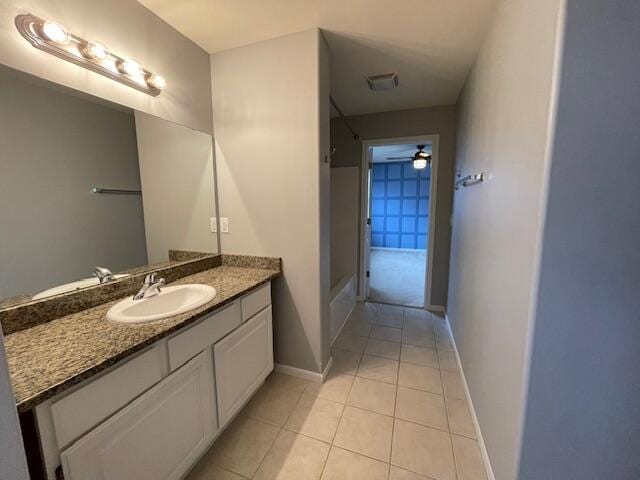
{"points": [[47, 359]]}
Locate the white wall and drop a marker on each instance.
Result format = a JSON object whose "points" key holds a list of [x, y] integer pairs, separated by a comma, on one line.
{"points": [[176, 173], [345, 203], [130, 30], [583, 407], [269, 104], [503, 120]]}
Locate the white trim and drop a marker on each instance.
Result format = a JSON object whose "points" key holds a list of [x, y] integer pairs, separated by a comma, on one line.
{"points": [[434, 140], [483, 448], [343, 325], [304, 374], [346, 292], [327, 369]]}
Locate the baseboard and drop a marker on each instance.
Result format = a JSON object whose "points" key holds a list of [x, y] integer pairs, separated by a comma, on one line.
{"points": [[305, 374], [436, 308], [483, 448]]}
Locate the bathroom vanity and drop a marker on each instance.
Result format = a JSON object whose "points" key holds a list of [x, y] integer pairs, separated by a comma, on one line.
{"points": [[116, 377], [145, 401]]}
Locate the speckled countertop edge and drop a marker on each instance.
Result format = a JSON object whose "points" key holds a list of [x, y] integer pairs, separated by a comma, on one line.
{"points": [[47, 359]]}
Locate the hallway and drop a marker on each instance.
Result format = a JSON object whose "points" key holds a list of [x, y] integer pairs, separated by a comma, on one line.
{"points": [[398, 276], [393, 408]]}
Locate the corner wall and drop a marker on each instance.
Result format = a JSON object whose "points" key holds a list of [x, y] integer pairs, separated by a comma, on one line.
{"points": [[270, 110], [407, 123], [503, 121], [583, 408]]}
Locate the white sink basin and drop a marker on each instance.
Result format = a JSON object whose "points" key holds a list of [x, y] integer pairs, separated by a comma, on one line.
{"points": [[70, 287], [171, 301]]}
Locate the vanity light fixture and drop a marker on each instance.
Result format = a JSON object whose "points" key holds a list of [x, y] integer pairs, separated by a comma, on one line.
{"points": [[129, 67], [55, 32], [157, 81], [96, 51], [53, 38]]}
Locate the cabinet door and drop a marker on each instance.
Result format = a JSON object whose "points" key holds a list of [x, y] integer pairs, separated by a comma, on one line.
{"points": [[242, 362], [159, 436]]}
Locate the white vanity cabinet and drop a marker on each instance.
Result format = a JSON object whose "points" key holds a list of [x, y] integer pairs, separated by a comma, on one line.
{"points": [[152, 416], [158, 436], [243, 360]]}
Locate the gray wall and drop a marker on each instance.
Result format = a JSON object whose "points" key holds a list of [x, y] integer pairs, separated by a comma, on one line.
{"points": [[406, 123], [176, 171], [271, 139], [503, 121], [583, 408], [54, 148]]}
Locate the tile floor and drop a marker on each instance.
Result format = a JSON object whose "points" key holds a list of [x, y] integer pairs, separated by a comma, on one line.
{"points": [[393, 408]]}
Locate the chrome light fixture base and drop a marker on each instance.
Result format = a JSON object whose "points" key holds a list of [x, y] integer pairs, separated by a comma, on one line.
{"points": [[30, 27]]}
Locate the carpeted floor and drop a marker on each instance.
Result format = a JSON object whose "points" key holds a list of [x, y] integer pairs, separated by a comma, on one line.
{"points": [[398, 276]]}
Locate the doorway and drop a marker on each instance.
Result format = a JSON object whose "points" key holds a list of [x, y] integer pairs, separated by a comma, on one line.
{"points": [[397, 220]]}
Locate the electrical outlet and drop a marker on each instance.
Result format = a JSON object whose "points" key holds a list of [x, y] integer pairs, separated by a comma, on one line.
{"points": [[224, 225], [213, 226]]}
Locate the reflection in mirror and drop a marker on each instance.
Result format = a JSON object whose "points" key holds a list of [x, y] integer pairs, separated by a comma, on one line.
{"points": [[92, 192]]}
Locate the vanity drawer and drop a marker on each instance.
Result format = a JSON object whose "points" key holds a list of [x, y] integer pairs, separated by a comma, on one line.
{"points": [[256, 301], [89, 405], [188, 344]]}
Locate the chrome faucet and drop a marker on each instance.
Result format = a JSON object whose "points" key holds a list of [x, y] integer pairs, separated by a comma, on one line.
{"points": [[103, 274], [150, 287]]}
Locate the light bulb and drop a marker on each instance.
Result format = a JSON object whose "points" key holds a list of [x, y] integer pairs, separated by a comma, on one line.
{"points": [[420, 164], [96, 51], [157, 81], [55, 32], [130, 67]]}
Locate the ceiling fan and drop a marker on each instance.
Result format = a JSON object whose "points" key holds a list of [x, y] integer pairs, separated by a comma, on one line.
{"points": [[421, 159]]}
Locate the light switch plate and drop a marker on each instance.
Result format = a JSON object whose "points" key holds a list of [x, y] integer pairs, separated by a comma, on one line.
{"points": [[213, 226], [224, 225]]}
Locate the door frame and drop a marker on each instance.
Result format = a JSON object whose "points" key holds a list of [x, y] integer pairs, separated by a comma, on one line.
{"points": [[434, 140]]}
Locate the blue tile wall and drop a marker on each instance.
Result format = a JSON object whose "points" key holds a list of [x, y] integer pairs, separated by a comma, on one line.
{"points": [[399, 205]]}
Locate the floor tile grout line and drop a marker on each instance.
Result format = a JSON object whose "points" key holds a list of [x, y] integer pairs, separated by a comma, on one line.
{"points": [[395, 405], [344, 406], [280, 428]]}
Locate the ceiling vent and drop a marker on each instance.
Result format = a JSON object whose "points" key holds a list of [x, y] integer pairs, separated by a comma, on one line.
{"points": [[386, 81]]}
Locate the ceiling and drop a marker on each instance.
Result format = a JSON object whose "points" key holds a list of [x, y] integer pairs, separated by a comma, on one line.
{"points": [[431, 44], [380, 154]]}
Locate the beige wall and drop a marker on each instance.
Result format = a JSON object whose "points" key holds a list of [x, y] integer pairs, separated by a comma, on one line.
{"points": [[130, 30], [268, 116], [406, 123], [503, 120], [176, 173], [345, 201]]}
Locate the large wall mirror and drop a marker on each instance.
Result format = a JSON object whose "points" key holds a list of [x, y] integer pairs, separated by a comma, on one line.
{"points": [[88, 187]]}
